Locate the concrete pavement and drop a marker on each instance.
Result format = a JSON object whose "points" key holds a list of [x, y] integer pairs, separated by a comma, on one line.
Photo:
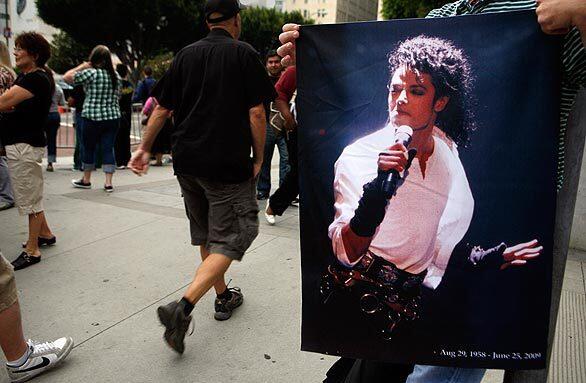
{"points": [[119, 256]]}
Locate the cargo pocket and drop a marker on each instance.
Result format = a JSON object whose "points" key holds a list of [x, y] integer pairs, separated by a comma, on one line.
{"points": [[247, 216]]}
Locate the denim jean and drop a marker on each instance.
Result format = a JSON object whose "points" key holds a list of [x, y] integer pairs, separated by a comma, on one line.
{"points": [[103, 133], [264, 178], [51, 128], [435, 374]]}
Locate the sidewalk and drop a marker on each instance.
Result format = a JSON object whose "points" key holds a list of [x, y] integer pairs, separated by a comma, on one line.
{"points": [[121, 255]]}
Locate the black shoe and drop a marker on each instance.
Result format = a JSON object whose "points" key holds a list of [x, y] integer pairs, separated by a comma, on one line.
{"points": [[224, 307], [176, 325], [262, 196], [80, 184], [25, 260], [43, 242], [108, 189]]}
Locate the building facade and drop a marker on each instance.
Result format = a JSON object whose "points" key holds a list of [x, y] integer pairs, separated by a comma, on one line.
{"points": [[334, 11], [17, 16]]}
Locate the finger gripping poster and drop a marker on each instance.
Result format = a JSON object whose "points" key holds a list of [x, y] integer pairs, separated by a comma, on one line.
{"points": [[428, 152]]}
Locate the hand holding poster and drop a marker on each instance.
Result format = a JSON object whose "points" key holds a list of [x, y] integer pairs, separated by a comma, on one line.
{"points": [[427, 171]]}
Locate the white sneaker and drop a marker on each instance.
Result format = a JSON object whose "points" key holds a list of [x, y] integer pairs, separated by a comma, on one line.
{"points": [[269, 217], [44, 356]]}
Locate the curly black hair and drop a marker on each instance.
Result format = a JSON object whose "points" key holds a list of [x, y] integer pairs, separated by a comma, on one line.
{"points": [[451, 76]]}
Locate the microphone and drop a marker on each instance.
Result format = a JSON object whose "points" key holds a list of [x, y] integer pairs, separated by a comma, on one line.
{"points": [[391, 177]]}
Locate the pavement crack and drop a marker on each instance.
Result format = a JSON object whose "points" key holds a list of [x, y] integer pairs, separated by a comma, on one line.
{"points": [[131, 315]]}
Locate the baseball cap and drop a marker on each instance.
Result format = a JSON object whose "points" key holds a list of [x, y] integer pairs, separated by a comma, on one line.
{"points": [[228, 9]]}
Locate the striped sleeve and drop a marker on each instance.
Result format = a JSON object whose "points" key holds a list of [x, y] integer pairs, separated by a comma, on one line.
{"points": [[574, 59]]}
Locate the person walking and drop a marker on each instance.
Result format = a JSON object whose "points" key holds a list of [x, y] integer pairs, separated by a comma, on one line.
{"points": [[144, 87], [275, 134], [216, 89], [7, 77], [23, 134], [53, 124], [101, 113], [122, 149], [287, 193]]}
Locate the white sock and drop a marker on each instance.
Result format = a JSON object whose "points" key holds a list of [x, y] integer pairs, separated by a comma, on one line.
{"points": [[22, 360]]}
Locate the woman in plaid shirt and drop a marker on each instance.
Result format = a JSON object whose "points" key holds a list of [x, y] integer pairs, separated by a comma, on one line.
{"points": [[101, 112]]}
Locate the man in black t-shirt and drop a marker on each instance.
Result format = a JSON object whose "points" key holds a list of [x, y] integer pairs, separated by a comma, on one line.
{"points": [[215, 88]]}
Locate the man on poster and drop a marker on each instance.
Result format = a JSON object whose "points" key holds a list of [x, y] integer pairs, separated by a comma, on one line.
{"points": [[404, 238]]}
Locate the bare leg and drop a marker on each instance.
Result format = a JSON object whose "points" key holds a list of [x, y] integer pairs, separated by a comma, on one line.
{"points": [[11, 336], [209, 272], [109, 179], [159, 159], [35, 223], [87, 176], [45, 230], [220, 285]]}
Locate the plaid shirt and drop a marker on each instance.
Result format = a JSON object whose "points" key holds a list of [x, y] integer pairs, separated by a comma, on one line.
{"points": [[573, 58], [101, 101]]}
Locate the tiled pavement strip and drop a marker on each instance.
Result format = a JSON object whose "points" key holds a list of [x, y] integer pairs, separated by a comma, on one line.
{"points": [[119, 256]]}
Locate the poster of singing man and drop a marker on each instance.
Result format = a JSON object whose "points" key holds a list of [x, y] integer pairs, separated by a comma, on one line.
{"points": [[428, 165]]}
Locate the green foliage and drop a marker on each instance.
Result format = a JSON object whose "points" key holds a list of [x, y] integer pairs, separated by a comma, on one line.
{"points": [[133, 29], [401, 9], [67, 53], [261, 26], [160, 63]]}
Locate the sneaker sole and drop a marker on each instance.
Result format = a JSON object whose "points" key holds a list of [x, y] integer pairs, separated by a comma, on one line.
{"points": [[81, 186], [221, 316], [66, 352]]}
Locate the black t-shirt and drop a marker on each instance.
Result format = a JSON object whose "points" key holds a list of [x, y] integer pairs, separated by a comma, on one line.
{"points": [[26, 124], [126, 97], [78, 95], [211, 86]]}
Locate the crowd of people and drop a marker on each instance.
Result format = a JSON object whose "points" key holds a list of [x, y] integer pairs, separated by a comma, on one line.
{"points": [[216, 104]]}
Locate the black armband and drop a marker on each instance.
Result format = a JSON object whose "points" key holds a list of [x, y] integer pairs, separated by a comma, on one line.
{"points": [[371, 209], [491, 258]]}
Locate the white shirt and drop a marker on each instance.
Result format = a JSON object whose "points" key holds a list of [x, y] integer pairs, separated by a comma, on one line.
{"points": [[425, 219]]}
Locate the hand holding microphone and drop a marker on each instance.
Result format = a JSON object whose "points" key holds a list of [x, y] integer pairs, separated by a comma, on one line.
{"points": [[395, 160], [376, 193]]}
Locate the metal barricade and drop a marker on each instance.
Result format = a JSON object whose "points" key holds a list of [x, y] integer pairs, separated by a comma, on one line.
{"points": [[66, 132], [136, 126], [66, 135]]}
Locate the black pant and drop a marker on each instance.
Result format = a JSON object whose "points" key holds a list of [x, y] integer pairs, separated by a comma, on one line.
{"points": [[122, 147], [51, 128], [289, 189]]}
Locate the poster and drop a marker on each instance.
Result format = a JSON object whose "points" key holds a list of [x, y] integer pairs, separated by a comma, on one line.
{"points": [[444, 259]]}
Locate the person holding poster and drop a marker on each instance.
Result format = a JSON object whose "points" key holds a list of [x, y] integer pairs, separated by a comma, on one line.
{"points": [[555, 16]]}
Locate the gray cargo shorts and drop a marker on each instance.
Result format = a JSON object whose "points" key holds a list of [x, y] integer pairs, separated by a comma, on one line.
{"points": [[222, 217]]}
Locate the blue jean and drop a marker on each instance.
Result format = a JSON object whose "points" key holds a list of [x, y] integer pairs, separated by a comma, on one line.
{"points": [[51, 128], [264, 178], [99, 132], [435, 374]]}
